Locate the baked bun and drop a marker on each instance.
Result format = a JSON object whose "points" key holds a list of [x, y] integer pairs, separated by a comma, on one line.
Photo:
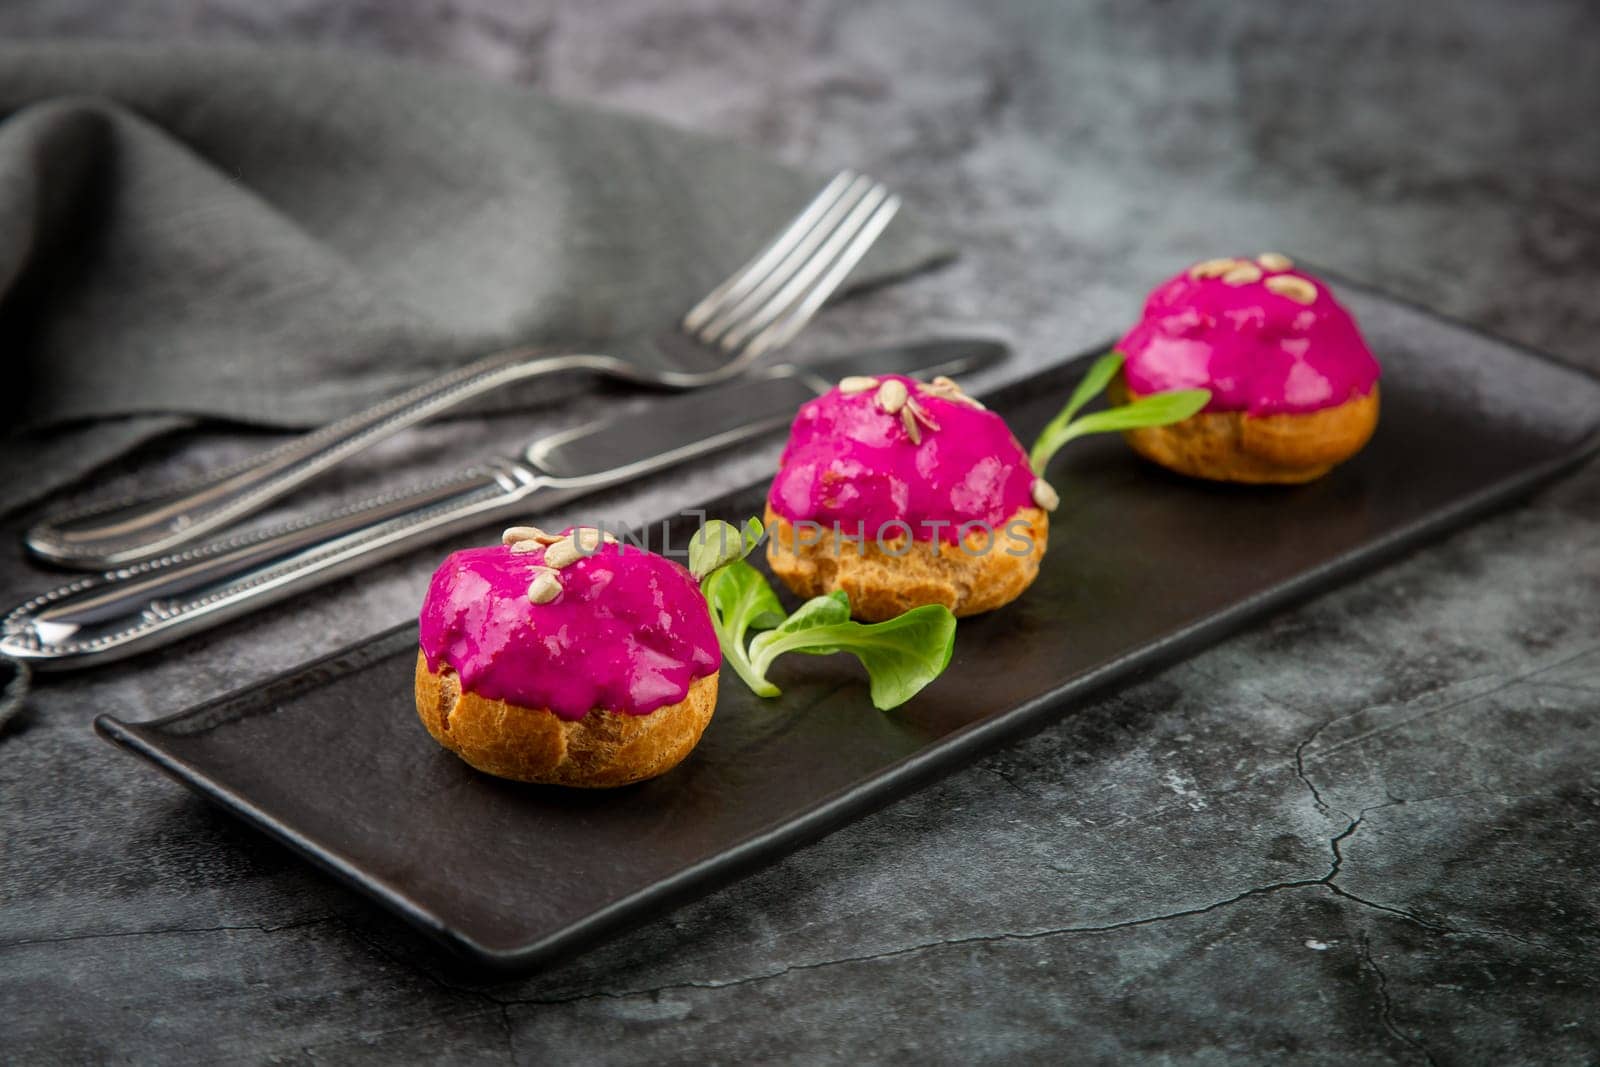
{"points": [[604, 748], [1235, 446], [903, 494], [1293, 385], [566, 659], [886, 580]]}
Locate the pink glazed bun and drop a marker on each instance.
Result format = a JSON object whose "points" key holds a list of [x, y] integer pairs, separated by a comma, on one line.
{"points": [[566, 659], [1294, 388], [903, 494]]}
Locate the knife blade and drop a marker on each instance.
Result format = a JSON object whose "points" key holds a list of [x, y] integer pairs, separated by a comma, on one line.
{"points": [[120, 613]]}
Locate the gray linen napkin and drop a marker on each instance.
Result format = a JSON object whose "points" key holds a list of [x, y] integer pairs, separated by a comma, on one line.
{"points": [[281, 237]]}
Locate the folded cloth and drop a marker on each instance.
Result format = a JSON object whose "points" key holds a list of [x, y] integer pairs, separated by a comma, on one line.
{"points": [[281, 237]]}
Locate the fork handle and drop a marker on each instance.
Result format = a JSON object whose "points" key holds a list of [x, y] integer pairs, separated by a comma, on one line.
{"points": [[145, 527]]}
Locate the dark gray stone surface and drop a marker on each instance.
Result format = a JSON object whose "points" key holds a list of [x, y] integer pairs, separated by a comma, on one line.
{"points": [[1365, 831]]}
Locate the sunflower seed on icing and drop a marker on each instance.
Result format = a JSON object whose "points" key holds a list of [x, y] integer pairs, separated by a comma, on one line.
{"points": [[563, 553], [590, 538], [522, 533], [1300, 290], [1213, 268], [544, 588], [892, 395], [946, 389], [920, 414], [909, 421], [1274, 261], [856, 383], [1243, 274], [1045, 495]]}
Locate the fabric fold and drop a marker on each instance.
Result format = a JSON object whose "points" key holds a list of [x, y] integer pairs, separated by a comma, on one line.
{"points": [[281, 237]]}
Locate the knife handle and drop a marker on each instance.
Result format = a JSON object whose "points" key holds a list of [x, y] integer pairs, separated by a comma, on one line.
{"points": [[104, 617], [143, 528]]}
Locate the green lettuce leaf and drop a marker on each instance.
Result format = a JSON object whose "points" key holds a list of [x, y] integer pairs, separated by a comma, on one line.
{"points": [[717, 544], [740, 601], [901, 655], [1158, 409]]}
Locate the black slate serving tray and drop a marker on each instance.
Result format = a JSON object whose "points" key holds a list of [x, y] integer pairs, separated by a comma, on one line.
{"points": [[1143, 568]]}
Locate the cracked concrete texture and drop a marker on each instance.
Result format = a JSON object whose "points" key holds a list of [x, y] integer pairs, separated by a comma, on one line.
{"points": [[1362, 831]]}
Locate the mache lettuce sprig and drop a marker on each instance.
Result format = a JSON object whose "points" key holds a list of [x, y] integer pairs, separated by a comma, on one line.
{"points": [[901, 655], [1157, 409]]}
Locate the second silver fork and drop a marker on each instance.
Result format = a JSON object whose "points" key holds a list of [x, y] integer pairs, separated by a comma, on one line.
{"points": [[757, 309]]}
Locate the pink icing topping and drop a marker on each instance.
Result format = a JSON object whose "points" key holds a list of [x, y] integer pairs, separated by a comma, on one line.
{"points": [[848, 461], [1256, 350], [628, 633]]}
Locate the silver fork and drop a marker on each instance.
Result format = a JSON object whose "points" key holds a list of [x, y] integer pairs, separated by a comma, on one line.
{"points": [[759, 308]]}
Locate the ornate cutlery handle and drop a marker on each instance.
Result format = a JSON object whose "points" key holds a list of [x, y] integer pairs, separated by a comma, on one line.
{"points": [[107, 616]]}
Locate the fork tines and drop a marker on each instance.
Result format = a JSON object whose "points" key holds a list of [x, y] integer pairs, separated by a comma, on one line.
{"points": [[768, 300]]}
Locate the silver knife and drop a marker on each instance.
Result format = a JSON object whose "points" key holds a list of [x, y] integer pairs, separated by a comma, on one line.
{"points": [[119, 613]]}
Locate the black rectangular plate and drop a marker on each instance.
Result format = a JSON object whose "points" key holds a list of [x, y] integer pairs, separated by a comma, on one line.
{"points": [[1143, 568]]}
